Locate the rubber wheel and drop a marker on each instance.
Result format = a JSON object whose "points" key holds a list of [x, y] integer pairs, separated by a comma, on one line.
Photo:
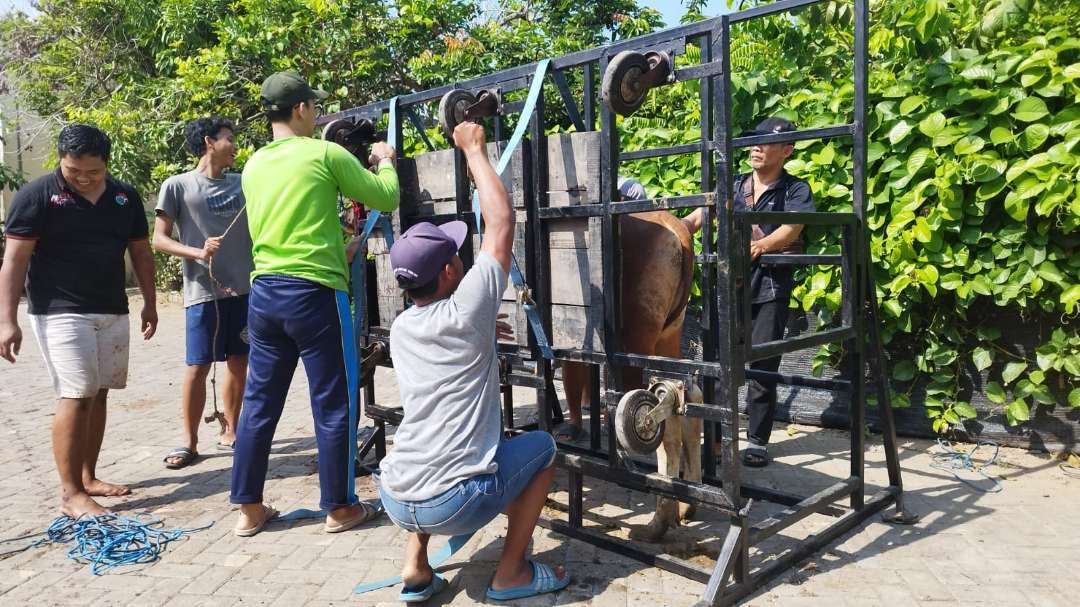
{"points": [[338, 130], [452, 110], [633, 429], [623, 89]]}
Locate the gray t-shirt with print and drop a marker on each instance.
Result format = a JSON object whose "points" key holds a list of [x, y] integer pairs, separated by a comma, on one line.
{"points": [[448, 374], [204, 207]]}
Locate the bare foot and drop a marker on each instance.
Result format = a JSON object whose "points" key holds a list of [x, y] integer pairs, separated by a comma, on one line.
{"points": [[78, 504], [252, 518], [100, 488], [226, 439], [414, 577], [522, 577]]}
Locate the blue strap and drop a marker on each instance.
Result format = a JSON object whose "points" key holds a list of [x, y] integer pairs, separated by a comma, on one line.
{"points": [[516, 276], [454, 544], [352, 380]]}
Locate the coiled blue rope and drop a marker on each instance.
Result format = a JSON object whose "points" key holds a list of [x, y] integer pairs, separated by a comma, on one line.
{"points": [[953, 459], [109, 540]]}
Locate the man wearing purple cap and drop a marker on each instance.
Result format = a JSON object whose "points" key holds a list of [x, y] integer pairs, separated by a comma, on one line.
{"points": [[768, 188], [450, 471]]}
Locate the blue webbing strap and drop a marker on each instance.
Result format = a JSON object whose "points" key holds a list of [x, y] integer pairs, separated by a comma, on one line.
{"points": [[452, 545], [352, 379], [516, 277]]}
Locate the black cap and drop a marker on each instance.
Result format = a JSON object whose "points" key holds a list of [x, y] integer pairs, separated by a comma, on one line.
{"points": [[771, 126], [285, 89]]}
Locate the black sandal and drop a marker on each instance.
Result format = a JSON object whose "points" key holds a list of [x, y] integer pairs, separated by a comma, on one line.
{"points": [[755, 457]]}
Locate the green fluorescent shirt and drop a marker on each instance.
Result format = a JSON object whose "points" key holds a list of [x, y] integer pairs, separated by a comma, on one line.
{"points": [[291, 187]]}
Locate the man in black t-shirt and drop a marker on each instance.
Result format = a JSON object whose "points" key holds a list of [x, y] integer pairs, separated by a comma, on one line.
{"points": [[67, 233], [767, 188]]}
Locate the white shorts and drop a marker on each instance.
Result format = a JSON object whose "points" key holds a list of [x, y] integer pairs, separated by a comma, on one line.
{"points": [[85, 353]]}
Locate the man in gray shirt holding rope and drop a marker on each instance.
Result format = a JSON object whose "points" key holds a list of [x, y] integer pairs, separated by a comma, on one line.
{"points": [[206, 205], [451, 472]]}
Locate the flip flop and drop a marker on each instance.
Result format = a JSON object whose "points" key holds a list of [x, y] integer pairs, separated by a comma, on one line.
{"points": [[367, 512], [226, 446], [543, 581], [417, 594], [269, 513], [187, 456], [567, 431]]}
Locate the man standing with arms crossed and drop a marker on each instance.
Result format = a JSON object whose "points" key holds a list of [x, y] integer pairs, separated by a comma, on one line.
{"points": [[66, 237], [203, 204], [450, 471], [291, 186]]}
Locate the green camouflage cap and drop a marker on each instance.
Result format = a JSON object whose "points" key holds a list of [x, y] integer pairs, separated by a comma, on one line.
{"points": [[286, 89]]}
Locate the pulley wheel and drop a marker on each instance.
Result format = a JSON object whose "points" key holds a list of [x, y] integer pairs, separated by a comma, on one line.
{"points": [[338, 130], [624, 87], [452, 110], [636, 431]]}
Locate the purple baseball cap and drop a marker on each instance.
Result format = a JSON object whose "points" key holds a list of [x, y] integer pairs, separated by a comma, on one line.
{"points": [[424, 250]]}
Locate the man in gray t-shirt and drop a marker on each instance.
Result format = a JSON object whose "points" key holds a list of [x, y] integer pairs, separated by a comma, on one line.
{"points": [[206, 206], [450, 471]]}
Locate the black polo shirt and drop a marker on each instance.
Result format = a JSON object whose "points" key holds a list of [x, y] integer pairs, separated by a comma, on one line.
{"points": [[78, 261], [788, 193]]}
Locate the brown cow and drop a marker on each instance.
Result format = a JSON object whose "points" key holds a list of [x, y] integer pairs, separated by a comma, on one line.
{"points": [[657, 270]]}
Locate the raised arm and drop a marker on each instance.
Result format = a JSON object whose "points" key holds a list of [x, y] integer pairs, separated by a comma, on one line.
{"points": [[494, 203], [377, 190]]}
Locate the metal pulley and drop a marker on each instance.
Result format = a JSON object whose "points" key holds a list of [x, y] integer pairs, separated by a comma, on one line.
{"points": [[460, 105], [630, 75], [356, 137], [641, 414]]}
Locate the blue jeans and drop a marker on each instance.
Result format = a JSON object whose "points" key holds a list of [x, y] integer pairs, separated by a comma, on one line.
{"points": [[476, 501]]}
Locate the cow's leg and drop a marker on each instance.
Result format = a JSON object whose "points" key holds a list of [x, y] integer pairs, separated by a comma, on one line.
{"points": [[667, 509], [576, 384], [689, 445]]}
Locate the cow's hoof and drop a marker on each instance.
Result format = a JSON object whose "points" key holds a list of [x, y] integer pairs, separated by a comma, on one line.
{"points": [[652, 533], [687, 512]]}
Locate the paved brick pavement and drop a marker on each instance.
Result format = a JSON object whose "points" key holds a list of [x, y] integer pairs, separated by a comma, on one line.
{"points": [[1016, 547]]}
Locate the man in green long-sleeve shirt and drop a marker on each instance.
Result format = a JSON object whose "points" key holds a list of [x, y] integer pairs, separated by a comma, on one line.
{"points": [[301, 269]]}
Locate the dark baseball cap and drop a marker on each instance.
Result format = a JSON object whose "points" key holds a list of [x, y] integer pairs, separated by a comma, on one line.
{"points": [[424, 250], [285, 89], [771, 126]]}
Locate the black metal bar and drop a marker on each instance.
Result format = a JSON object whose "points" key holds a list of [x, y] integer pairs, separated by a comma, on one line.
{"points": [[508, 406], [632, 206], [610, 262], [729, 346], [793, 259], [675, 565], [568, 99], [673, 365], [380, 445], [671, 150], [769, 9], [791, 217], [595, 406], [725, 564], [576, 498], [588, 73], [538, 272], [770, 349], [706, 95], [811, 505], [807, 381], [826, 132], [653, 482], [697, 72]]}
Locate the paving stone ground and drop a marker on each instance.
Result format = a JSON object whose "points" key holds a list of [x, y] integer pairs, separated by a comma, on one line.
{"points": [[1015, 547]]}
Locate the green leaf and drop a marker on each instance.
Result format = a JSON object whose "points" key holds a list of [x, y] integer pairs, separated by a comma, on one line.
{"points": [[951, 281], [1070, 297], [994, 393], [1036, 376], [899, 131], [1074, 398], [933, 124], [968, 145], [965, 410], [904, 371], [982, 357], [922, 230], [1034, 136], [1048, 271], [1012, 371], [978, 72], [1016, 206], [1018, 411], [911, 103], [1000, 135], [1030, 109]]}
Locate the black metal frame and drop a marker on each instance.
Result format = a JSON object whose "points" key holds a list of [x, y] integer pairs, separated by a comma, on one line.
{"points": [[726, 305]]}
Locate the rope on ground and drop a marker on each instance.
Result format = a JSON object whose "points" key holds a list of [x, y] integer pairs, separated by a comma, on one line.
{"points": [[953, 460], [108, 540]]}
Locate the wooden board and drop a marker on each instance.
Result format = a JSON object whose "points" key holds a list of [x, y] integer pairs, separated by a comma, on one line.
{"points": [[428, 186], [573, 168]]}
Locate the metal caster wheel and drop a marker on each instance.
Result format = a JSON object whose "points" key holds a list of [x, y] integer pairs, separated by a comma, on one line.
{"points": [[630, 75], [636, 430]]}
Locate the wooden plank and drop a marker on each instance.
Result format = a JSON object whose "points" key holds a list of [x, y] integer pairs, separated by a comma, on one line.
{"points": [[570, 282], [569, 233], [390, 306], [573, 168], [517, 319], [427, 180], [576, 327], [385, 281]]}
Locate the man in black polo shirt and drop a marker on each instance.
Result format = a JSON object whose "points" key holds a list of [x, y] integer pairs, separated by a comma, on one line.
{"points": [[767, 188], [70, 229]]}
